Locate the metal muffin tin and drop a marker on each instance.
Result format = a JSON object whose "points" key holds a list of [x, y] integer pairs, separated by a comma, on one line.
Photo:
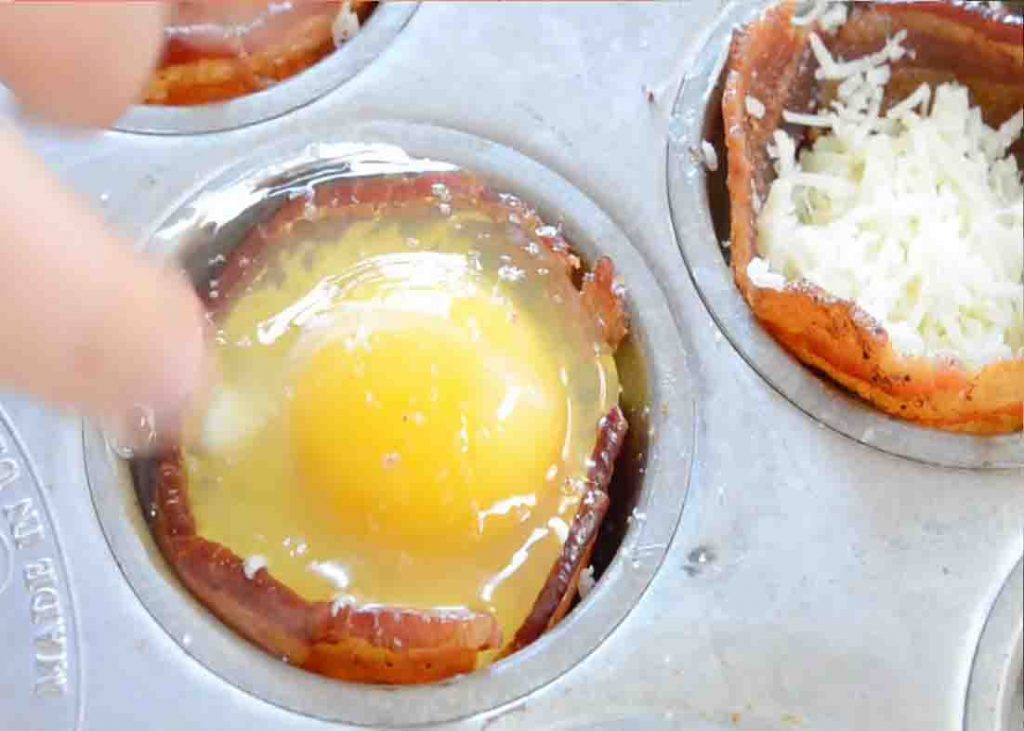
{"points": [[655, 466], [811, 582], [995, 697], [700, 211], [380, 28]]}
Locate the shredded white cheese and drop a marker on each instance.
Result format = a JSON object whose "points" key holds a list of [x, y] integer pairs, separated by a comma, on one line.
{"points": [[834, 18], [760, 274], [710, 155], [830, 15], [829, 68], [808, 120], [346, 24], [917, 102], [916, 215], [587, 582], [754, 106], [252, 565]]}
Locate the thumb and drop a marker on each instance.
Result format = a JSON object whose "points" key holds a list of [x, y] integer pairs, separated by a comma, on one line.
{"points": [[85, 321]]}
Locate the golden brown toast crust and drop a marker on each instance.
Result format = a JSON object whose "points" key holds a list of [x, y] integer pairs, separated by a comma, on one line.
{"points": [[771, 61]]}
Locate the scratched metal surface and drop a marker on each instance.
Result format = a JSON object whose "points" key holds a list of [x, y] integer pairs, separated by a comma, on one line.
{"points": [[813, 582]]}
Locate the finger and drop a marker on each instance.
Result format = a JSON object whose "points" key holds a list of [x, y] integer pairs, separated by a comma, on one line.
{"points": [[84, 320], [79, 63]]}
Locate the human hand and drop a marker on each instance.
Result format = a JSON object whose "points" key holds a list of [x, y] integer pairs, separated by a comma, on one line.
{"points": [[85, 322]]}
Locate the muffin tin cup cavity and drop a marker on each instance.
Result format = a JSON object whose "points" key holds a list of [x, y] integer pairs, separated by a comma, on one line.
{"points": [[699, 204], [378, 31], [651, 477], [995, 696]]}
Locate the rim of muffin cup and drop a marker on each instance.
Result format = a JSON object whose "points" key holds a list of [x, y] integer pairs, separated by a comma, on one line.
{"points": [[655, 464]]}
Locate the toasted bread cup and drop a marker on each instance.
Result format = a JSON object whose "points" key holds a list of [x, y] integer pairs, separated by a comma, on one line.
{"points": [[771, 61], [379, 644], [216, 53]]}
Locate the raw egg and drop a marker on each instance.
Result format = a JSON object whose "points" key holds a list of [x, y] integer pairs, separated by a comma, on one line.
{"points": [[409, 407]]}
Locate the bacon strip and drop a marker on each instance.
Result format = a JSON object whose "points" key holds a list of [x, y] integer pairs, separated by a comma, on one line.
{"points": [[555, 599], [377, 644], [347, 201]]}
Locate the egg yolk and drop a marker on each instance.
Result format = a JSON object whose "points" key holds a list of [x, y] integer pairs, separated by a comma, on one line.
{"points": [[411, 430], [407, 412]]}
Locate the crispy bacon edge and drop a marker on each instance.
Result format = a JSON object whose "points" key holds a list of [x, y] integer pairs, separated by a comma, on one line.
{"points": [[556, 598], [386, 645], [372, 645], [771, 61]]}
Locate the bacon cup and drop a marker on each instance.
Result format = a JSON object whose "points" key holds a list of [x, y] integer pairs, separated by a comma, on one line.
{"points": [[216, 52], [364, 640], [771, 79]]}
